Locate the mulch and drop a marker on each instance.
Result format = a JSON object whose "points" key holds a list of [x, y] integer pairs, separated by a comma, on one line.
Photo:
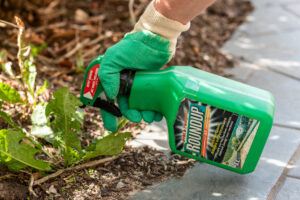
{"points": [[82, 30]]}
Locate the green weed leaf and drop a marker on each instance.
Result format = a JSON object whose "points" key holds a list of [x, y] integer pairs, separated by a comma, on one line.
{"points": [[63, 109], [108, 145], [6, 65], [79, 63], [29, 75], [17, 154], [42, 89], [36, 49], [122, 121], [80, 115], [2, 56], [40, 124], [9, 95], [9, 120], [7, 68]]}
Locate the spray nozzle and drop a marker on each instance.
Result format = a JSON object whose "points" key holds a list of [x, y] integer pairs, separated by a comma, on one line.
{"points": [[92, 93]]}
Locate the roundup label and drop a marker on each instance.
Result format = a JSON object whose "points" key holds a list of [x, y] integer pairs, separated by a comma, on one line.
{"points": [[91, 82], [214, 134], [197, 129]]}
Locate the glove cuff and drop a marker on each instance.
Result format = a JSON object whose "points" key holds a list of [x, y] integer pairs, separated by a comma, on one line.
{"points": [[155, 22]]}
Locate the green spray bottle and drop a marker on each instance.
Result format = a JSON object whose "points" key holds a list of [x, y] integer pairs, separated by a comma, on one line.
{"points": [[210, 118]]}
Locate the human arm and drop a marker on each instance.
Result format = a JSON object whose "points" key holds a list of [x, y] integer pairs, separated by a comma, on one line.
{"points": [[149, 46], [182, 11]]}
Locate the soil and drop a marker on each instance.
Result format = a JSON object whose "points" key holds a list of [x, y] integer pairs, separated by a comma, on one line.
{"points": [[82, 30], [135, 169]]}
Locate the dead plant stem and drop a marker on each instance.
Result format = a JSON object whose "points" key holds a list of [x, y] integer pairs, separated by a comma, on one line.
{"points": [[131, 12], [31, 191], [78, 167], [8, 23], [21, 28]]}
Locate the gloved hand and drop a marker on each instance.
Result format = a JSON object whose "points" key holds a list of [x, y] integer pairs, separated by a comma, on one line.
{"points": [[148, 47]]}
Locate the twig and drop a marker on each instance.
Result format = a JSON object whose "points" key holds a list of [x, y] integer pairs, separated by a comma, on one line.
{"points": [[30, 6], [92, 42], [183, 162], [7, 176], [65, 46], [78, 167], [3, 78], [51, 26], [97, 18], [103, 37], [91, 51], [8, 23], [45, 59], [11, 44], [73, 51], [30, 183], [10, 56], [55, 14], [131, 12], [81, 27], [54, 75], [60, 83], [50, 8], [98, 39]]}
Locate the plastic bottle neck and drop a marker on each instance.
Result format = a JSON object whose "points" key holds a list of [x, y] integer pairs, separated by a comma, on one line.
{"points": [[126, 81]]}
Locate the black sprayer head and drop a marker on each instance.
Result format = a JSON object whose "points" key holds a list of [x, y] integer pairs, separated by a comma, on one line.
{"points": [[126, 81]]}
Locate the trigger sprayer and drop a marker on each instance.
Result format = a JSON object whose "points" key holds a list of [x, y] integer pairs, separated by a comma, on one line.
{"points": [[210, 118]]}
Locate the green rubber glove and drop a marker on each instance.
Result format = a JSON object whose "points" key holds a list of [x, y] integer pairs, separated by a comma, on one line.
{"points": [[142, 50]]}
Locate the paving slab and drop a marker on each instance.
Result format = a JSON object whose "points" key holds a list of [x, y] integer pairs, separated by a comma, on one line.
{"points": [[241, 71], [154, 135], [294, 8], [208, 182], [266, 3], [279, 52], [269, 20], [295, 170], [290, 190], [286, 92]]}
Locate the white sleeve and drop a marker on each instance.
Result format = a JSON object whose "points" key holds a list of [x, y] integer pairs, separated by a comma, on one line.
{"points": [[155, 22]]}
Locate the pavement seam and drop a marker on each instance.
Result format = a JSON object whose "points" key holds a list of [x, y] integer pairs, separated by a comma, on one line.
{"points": [[274, 190], [250, 75], [286, 126], [268, 33], [294, 177], [290, 11], [262, 66], [283, 73]]}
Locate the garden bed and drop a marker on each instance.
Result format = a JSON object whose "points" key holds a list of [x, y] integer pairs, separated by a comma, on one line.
{"points": [[75, 33]]}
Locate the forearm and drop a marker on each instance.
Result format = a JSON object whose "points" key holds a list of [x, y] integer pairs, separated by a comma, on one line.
{"points": [[182, 11], [168, 18]]}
